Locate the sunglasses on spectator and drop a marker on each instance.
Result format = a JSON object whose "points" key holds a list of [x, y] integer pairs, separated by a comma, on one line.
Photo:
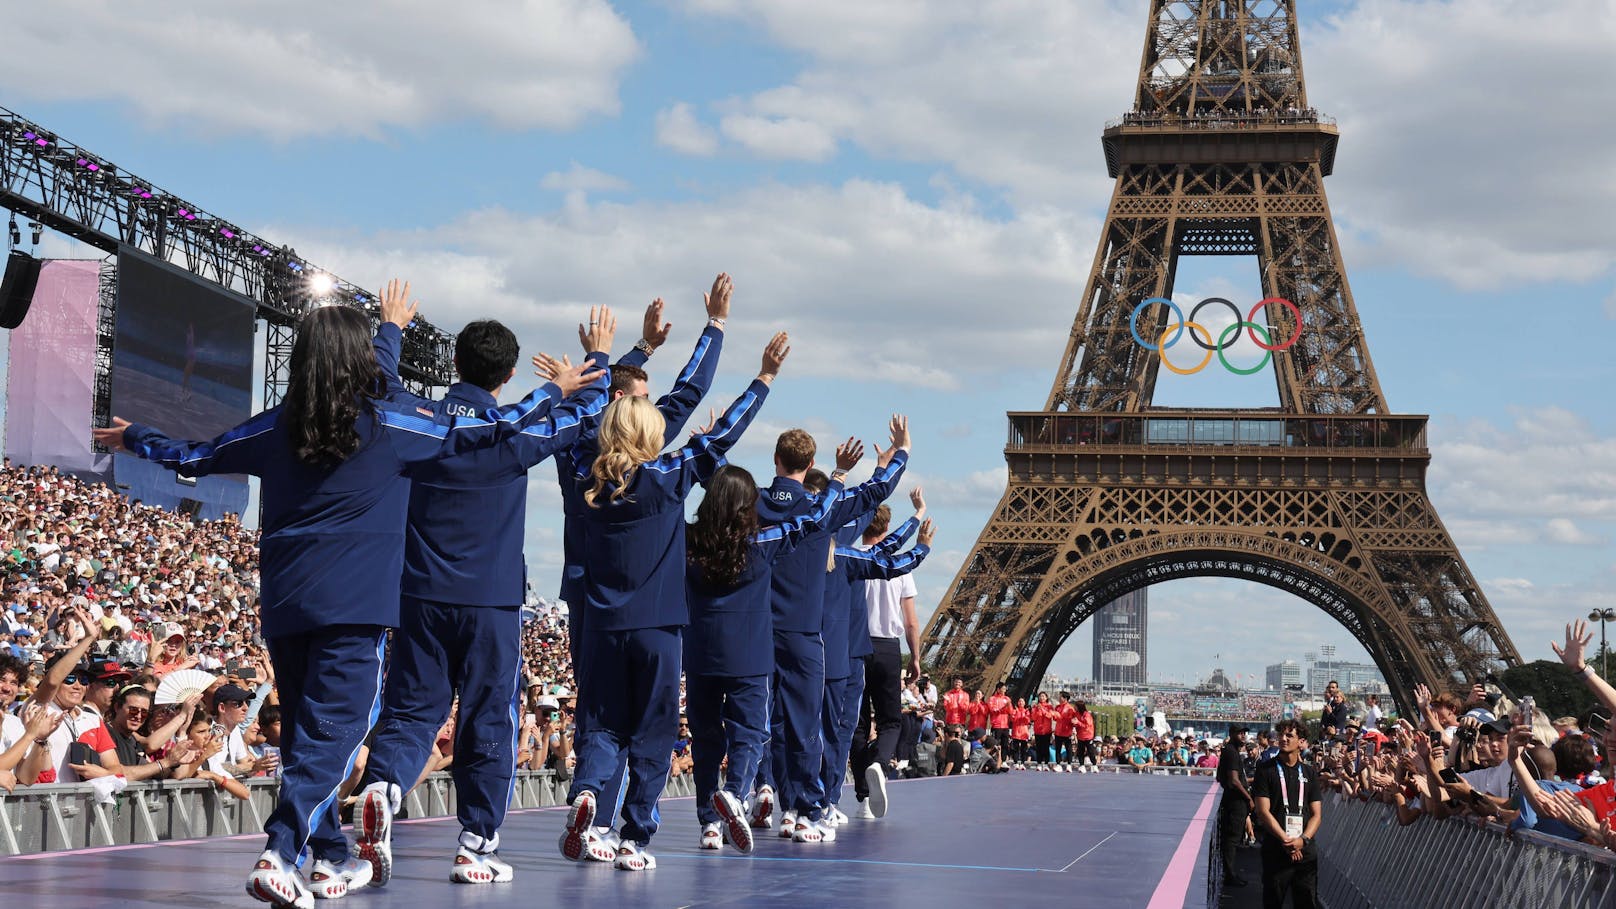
{"points": [[137, 711], [77, 678]]}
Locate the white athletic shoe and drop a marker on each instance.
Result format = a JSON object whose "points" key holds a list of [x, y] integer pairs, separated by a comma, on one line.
{"points": [[828, 819], [827, 832], [736, 828], [374, 843], [479, 868], [838, 815], [632, 857], [806, 831], [711, 837], [580, 823], [600, 844], [864, 813], [274, 883], [788, 824], [763, 809], [333, 880], [876, 778]]}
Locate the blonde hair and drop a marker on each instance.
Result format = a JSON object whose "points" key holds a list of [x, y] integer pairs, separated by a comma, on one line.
{"points": [[830, 557], [631, 431]]}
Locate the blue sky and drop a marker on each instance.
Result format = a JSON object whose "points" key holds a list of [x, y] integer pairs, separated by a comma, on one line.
{"points": [[915, 192]]}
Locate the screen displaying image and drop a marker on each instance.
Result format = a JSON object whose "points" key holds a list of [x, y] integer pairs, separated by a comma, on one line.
{"points": [[182, 362]]}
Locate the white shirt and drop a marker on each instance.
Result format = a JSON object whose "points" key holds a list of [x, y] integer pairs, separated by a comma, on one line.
{"points": [[1493, 781], [1372, 717], [12, 731], [885, 598], [76, 724]]}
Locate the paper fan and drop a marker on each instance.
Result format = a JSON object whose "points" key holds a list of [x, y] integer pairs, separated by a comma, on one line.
{"points": [[181, 684]]}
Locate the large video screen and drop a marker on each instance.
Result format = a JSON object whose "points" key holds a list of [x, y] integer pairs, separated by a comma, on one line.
{"points": [[182, 362]]}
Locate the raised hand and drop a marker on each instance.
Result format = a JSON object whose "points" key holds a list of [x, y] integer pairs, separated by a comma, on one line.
{"points": [[655, 331], [917, 499], [597, 336], [717, 301], [1422, 696], [40, 722], [848, 454], [774, 356], [397, 307], [898, 428], [712, 421], [928, 531], [111, 437], [1578, 637], [573, 378], [547, 367]]}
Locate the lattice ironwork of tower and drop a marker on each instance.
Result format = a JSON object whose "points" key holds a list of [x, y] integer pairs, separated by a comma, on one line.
{"points": [[1324, 497]]}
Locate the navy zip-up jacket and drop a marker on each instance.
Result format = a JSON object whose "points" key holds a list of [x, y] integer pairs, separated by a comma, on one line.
{"points": [[676, 407], [843, 624], [731, 630], [331, 548], [797, 590], [468, 513], [635, 544]]}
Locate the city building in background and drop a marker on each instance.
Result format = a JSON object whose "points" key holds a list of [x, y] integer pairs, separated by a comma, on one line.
{"points": [[1280, 676], [1120, 630]]}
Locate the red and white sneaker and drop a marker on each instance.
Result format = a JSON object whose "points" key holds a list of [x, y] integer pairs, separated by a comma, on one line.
{"points": [[479, 868], [763, 809], [806, 831], [333, 880], [272, 882], [374, 843], [788, 824], [633, 857], [600, 844], [736, 828], [580, 823], [711, 837]]}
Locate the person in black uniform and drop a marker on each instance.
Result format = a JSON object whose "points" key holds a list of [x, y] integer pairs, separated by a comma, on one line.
{"points": [[1285, 801], [1235, 805]]}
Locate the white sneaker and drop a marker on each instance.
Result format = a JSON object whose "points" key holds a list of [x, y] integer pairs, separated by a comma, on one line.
{"points": [[806, 831], [736, 828], [374, 843], [580, 823], [631, 857], [788, 825], [600, 844], [875, 777], [763, 809], [333, 880], [711, 837], [828, 819], [827, 832], [479, 868], [838, 815], [864, 813], [272, 882]]}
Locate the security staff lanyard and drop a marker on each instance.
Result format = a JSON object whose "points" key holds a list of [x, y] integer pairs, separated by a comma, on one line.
{"points": [[1293, 816]]}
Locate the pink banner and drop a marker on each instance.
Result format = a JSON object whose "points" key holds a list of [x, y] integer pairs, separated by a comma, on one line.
{"points": [[50, 385]]}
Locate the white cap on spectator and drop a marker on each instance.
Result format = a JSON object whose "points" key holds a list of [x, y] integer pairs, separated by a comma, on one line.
{"points": [[173, 630]]}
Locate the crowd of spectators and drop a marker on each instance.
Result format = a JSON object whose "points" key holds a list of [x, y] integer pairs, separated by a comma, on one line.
{"points": [[1238, 706]]}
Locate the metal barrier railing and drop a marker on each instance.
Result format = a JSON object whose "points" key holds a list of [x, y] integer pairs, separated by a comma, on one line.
{"points": [[1367, 860], [57, 816]]}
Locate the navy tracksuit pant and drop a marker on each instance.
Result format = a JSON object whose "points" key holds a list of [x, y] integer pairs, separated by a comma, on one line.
{"points": [[616, 789], [440, 649], [728, 716], [797, 748], [330, 682], [628, 701], [849, 691]]}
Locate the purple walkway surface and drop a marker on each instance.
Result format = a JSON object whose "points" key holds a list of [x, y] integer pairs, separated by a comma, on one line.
{"points": [[1097, 839]]}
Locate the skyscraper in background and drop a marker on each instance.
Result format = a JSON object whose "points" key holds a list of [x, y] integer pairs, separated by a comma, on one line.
{"points": [[1120, 628]]}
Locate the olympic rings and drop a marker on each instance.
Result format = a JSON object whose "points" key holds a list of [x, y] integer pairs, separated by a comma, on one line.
{"points": [[1198, 332]]}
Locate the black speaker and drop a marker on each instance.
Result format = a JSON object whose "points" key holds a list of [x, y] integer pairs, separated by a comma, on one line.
{"points": [[17, 290], [189, 508]]}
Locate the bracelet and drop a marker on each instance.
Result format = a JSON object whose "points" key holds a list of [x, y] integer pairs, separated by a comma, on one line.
{"points": [[715, 322], [838, 472], [42, 743], [1587, 671]]}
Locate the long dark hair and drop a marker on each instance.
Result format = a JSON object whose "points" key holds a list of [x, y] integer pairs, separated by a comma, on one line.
{"points": [[718, 543], [334, 378]]}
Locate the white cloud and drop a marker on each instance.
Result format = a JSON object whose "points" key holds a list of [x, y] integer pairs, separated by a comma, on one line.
{"points": [[859, 274], [789, 138], [583, 180], [1565, 531], [299, 68], [1548, 466], [678, 128]]}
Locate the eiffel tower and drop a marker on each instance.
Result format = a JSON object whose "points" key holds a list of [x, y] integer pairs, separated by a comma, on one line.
{"points": [[1323, 497]]}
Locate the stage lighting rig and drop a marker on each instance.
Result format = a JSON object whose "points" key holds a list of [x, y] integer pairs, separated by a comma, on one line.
{"points": [[16, 235], [36, 229], [321, 284]]}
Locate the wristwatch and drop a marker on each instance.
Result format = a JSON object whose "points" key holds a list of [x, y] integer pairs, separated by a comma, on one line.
{"points": [[644, 346]]}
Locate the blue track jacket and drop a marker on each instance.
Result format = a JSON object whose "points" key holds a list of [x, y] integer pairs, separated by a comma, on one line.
{"points": [[731, 630], [467, 515], [331, 548], [797, 590], [634, 545]]}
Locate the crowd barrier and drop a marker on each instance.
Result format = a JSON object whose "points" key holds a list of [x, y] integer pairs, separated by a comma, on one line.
{"points": [[59, 816], [1366, 860]]}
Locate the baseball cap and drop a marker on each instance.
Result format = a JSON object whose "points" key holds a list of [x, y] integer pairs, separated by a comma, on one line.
{"points": [[102, 670], [173, 630], [232, 693]]}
